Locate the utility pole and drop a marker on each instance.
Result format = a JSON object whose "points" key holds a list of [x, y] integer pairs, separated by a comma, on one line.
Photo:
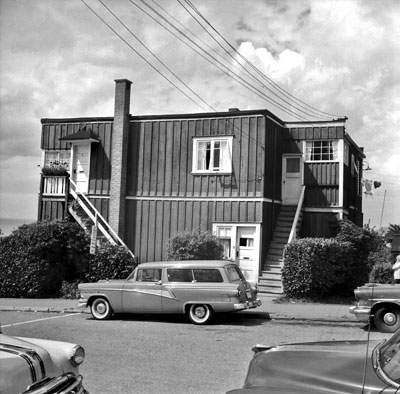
{"points": [[383, 207]]}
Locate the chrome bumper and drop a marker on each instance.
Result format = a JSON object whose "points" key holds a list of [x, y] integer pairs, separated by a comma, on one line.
{"points": [[362, 313], [247, 305], [65, 384]]}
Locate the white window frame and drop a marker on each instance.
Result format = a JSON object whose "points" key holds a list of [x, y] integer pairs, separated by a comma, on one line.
{"points": [[225, 166], [309, 147], [62, 157]]}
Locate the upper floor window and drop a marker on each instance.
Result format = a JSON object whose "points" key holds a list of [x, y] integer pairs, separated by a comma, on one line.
{"points": [[322, 151], [62, 157], [212, 154]]}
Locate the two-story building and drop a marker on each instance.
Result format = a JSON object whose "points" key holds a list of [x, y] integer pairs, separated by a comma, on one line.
{"points": [[254, 180]]}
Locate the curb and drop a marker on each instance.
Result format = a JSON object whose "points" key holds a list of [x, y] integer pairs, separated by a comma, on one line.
{"points": [[270, 316]]}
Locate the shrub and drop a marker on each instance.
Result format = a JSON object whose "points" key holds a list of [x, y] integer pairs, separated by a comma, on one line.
{"points": [[69, 290], [381, 273], [110, 262], [317, 267], [195, 245], [36, 258]]}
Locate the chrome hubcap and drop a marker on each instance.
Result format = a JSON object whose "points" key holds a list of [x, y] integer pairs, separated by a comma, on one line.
{"points": [[200, 312], [389, 318], [101, 308]]}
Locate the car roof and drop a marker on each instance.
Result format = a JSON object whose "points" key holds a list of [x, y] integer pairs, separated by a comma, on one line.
{"points": [[187, 264]]}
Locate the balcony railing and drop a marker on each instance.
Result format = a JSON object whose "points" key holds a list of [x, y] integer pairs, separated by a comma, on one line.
{"points": [[55, 185]]}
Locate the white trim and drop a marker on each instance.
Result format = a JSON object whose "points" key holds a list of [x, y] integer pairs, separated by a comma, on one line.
{"points": [[176, 198], [314, 124], [341, 150], [325, 210], [257, 241], [227, 169], [227, 117]]}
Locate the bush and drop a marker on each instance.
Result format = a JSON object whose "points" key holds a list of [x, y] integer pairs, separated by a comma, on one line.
{"points": [[195, 245], [381, 273], [36, 258], [364, 241], [110, 262], [69, 290], [317, 267]]}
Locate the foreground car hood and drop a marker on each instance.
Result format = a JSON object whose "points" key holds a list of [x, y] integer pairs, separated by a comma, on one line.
{"points": [[323, 367], [24, 361]]}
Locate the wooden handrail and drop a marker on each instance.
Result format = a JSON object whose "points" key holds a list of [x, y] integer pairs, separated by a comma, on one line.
{"points": [[293, 231], [95, 218]]}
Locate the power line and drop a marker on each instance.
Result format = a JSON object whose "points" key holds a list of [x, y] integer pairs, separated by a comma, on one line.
{"points": [[140, 55], [259, 72], [216, 63]]}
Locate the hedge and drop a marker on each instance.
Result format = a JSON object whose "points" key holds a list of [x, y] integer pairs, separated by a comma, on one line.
{"points": [[36, 258], [318, 267]]}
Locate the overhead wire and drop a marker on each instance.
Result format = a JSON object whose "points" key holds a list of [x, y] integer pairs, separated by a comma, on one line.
{"points": [[207, 56], [258, 71], [154, 55], [140, 55]]}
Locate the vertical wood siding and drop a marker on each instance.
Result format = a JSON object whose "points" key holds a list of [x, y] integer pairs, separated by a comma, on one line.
{"points": [[153, 222], [100, 166], [160, 154]]}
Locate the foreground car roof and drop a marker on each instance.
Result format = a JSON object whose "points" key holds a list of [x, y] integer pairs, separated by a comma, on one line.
{"points": [[188, 263]]}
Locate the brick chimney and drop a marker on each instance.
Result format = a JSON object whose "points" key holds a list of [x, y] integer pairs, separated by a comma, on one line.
{"points": [[119, 154]]}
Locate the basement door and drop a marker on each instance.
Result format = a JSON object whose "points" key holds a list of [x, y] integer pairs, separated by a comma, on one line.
{"points": [[292, 179], [80, 166], [241, 245]]}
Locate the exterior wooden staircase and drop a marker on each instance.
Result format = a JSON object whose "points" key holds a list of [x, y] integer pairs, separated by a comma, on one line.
{"points": [[270, 282], [88, 217]]}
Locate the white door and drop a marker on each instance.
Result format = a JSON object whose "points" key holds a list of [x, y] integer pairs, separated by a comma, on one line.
{"points": [[80, 167], [291, 179], [246, 252]]}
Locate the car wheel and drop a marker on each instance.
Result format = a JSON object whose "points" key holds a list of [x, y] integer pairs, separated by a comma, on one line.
{"points": [[200, 313], [387, 319], [100, 309]]}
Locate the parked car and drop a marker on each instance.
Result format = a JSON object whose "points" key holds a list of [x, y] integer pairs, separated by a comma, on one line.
{"points": [[197, 288], [334, 367], [37, 366], [380, 304]]}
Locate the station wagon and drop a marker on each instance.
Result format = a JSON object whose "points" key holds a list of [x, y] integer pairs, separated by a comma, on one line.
{"points": [[197, 288]]}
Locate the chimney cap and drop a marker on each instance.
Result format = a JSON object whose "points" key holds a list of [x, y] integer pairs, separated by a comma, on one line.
{"points": [[123, 81]]}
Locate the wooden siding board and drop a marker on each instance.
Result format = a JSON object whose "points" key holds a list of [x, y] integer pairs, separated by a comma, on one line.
{"points": [[184, 169], [176, 157]]}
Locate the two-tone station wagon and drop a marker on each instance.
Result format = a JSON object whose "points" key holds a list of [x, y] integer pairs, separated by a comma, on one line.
{"points": [[196, 288]]}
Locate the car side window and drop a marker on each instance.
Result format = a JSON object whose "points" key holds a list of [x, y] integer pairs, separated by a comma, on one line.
{"points": [[207, 275], [148, 275], [179, 275]]}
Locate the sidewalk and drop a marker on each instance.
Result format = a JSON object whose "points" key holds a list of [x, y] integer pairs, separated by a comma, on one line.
{"points": [[283, 311]]}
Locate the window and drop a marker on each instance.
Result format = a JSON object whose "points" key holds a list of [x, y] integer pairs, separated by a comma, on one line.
{"points": [[212, 155], [179, 275], [292, 165], [57, 157], [207, 275], [224, 234], [321, 150], [235, 275], [149, 275]]}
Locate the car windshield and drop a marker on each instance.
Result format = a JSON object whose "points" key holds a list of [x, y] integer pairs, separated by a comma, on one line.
{"points": [[234, 274], [390, 357]]}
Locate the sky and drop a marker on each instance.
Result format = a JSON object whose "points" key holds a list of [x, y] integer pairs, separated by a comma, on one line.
{"points": [[58, 59]]}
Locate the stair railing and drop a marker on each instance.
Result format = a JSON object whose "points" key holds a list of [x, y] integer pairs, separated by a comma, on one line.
{"points": [[293, 231], [96, 217]]}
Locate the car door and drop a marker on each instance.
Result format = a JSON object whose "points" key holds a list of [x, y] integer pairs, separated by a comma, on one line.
{"points": [[143, 293]]}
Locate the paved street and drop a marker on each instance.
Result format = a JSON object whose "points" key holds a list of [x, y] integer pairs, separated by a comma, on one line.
{"points": [[166, 354]]}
